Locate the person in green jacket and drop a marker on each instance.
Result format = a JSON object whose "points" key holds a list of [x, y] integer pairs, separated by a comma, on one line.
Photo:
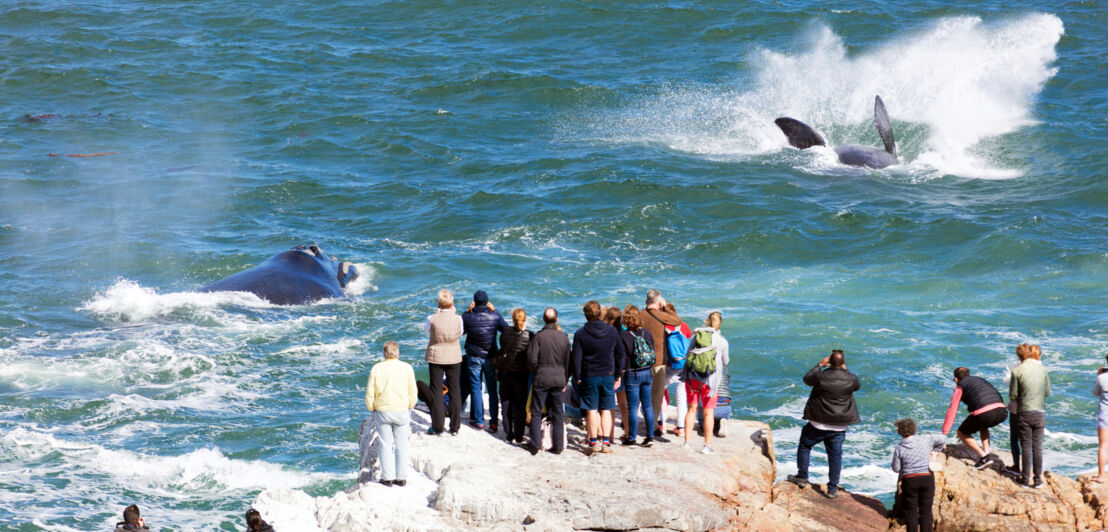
{"points": [[1029, 389]]}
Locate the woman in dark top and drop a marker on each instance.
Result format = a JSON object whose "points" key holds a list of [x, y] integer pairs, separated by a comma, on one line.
{"points": [[514, 374], [638, 344]]}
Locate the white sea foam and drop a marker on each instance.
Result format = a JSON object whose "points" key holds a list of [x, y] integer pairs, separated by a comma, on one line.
{"points": [[128, 301], [947, 88]]}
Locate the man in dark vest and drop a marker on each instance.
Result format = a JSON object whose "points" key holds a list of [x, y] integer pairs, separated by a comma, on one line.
{"points": [[829, 411], [986, 409]]}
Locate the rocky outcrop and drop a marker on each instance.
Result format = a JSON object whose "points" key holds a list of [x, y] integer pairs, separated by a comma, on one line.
{"points": [[476, 480]]}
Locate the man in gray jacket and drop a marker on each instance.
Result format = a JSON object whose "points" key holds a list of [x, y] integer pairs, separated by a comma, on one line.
{"points": [[548, 357]]}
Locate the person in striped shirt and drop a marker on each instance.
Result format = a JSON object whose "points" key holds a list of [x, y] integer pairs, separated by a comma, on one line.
{"points": [[917, 485]]}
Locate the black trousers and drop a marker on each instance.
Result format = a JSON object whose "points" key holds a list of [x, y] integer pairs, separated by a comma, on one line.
{"points": [[513, 390], [917, 495], [552, 399], [453, 373], [1031, 426]]}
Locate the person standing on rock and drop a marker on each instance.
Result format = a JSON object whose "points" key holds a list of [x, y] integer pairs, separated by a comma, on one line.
{"points": [[512, 366], [700, 389], [655, 318], [638, 346], [1030, 388], [548, 356], [481, 323], [986, 408], [1100, 390], [830, 410], [391, 395], [444, 358], [917, 485], [598, 362]]}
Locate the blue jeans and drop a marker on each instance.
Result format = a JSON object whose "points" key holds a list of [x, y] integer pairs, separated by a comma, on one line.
{"points": [[393, 429], [637, 386], [832, 441], [477, 367]]}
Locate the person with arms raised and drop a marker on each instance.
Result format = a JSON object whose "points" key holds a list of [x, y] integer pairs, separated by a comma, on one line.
{"points": [[481, 324], [830, 410]]}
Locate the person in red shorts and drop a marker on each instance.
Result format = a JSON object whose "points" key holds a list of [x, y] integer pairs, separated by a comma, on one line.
{"points": [[702, 386]]}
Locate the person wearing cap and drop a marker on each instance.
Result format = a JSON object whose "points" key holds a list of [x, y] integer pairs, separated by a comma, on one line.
{"points": [[480, 325]]}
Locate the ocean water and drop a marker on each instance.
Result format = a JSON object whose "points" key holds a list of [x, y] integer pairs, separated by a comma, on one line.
{"points": [[548, 155]]}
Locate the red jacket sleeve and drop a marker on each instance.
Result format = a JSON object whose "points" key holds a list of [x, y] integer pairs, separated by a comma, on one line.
{"points": [[952, 410]]}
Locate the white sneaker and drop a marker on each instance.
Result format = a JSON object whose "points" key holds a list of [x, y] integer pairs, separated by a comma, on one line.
{"points": [[707, 450], [686, 446]]}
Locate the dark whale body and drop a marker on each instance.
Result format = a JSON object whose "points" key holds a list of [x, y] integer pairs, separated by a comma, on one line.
{"points": [[295, 277], [802, 136]]}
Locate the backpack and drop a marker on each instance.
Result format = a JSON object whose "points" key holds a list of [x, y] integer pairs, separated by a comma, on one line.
{"points": [[643, 357], [677, 345], [702, 358]]}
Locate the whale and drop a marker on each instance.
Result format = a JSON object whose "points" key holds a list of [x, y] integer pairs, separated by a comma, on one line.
{"points": [[301, 275], [802, 136]]}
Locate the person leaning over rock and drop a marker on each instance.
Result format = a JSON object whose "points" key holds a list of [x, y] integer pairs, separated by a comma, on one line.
{"points": [[131, 520], [986, 409], [255, 523], [917, 486], [655, 318], [481, 323], [702, 390], [444, 358], [1030, 388], [391, 395], [548, 356], [830, 410], [511, 363], [597, 361]]}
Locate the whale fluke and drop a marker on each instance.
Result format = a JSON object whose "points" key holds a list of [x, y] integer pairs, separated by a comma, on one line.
{"points": [[800, 135], [884, 128]]}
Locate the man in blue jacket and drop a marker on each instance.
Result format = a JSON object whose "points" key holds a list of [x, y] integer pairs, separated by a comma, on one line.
{"points": [[480, 324], [598, 360]]}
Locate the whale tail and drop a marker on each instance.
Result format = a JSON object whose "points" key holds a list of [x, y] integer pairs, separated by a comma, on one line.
{"points": [[884, 128], [800, 135]]}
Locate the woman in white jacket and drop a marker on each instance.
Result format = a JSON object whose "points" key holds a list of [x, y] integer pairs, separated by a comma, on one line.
{"points": [[702, 390]]}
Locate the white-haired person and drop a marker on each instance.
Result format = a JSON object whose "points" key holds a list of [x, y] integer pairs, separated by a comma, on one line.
{"points": [[444, 359], [391, 395]]}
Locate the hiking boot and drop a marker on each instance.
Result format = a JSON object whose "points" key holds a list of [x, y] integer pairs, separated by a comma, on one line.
{"points": [[983, 462], [606, 448], [832, 492], [647, 442], [387, 483], [707, 450], [400, 482], [492, 428], [799, 481]]}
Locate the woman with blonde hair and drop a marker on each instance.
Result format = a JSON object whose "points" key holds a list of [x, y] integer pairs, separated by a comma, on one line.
{"points": [[444, 358], [391, 395], [512, 366], [1029, 389]]}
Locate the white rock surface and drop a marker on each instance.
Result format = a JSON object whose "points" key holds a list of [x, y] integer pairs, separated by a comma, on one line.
{"points": [[477, 480]]}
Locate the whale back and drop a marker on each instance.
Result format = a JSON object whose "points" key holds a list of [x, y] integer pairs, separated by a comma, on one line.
{"points": [[884, 128], [800, 135]]}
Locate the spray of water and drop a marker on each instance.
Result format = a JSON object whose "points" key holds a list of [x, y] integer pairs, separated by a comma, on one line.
{"points": [[947, 87]]}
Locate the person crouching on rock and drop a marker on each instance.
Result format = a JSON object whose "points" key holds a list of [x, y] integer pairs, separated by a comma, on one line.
{"points": [[830, 410], [131, 520], [598, 362], [986, 409], [391, 395], [917, 485], [548, 356], [255, 523]]}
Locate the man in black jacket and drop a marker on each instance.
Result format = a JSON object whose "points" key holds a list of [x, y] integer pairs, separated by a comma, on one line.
{"points": [[548, 357], [480, 324], [829, 411]]}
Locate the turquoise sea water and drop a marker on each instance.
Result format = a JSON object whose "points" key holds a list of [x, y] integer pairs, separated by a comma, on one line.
{"points": [[546, 154]]}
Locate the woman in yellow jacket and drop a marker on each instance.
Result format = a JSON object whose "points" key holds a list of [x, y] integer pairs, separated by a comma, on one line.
{"points": [[391, 395]]}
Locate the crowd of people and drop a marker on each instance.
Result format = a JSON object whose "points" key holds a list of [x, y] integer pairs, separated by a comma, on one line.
{"points": [[624, 359]]}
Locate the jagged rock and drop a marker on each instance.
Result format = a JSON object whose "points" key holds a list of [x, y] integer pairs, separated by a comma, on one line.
{"points": [[807, 509]]}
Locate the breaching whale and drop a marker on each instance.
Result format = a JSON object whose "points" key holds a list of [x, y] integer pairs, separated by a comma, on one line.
{"points": [[300, 275], [802, 136]]}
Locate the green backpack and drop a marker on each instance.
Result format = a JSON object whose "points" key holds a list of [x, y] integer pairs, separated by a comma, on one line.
{"points": [[702, 358]]}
